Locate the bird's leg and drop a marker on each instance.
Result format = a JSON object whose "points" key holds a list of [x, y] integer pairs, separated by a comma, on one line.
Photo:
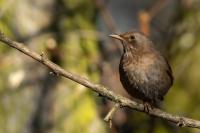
{"points": [[147, 106]]}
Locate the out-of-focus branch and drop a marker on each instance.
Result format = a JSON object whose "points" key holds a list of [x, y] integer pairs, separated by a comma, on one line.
{"points": [[100, 89], [157, 7], [108, 20], [145, 16], [107, 17]]}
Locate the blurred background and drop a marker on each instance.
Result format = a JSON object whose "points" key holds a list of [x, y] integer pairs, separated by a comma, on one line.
{"points": [[74, 34]]}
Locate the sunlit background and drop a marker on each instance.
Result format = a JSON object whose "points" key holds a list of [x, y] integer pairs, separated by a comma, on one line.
{"points": [[74, 35]]}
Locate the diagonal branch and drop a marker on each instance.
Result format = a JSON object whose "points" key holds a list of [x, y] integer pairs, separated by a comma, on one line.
{"points": [[104, 91]]}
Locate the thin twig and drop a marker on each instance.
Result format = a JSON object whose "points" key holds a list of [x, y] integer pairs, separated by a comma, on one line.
{"points": [[111, 113], [108, 20], [157, 7], [100, 89], [106, 16]]}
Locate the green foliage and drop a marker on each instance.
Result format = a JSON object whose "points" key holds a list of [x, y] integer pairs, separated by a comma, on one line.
{"points": [[78, 113], [185, 94]]}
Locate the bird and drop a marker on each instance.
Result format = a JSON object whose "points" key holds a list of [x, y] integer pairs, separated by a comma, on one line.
{"points": [[144, 72]]}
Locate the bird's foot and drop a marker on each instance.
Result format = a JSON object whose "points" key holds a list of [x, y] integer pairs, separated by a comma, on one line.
{"points": [[147, 106]]}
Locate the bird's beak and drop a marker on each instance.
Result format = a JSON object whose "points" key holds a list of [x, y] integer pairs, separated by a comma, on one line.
{"points": [[115, 36]]}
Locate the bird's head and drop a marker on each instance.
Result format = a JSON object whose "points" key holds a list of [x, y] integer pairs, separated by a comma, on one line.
{"points": [[132, 40]]}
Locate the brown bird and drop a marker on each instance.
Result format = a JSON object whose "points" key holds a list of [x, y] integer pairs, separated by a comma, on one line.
{"points": [[144, 72]]}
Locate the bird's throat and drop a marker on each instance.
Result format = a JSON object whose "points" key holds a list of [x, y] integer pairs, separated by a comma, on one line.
{"points": [[124, 46]]}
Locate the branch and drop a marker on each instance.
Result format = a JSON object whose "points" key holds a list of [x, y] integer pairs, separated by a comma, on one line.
{"points": [[104, 91], [111, 113]]}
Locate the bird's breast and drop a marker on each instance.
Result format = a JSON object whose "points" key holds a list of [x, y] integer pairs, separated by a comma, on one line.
{"points": [[138, 67]]}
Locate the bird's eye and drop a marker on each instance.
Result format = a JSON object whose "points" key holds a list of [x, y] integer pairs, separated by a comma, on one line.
{"points": [[131, 38]]}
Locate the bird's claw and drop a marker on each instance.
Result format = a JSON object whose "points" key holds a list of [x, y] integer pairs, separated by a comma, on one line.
{"points": [[147, 107]]}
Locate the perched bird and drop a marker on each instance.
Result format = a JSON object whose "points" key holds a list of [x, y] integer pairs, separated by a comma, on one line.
{"points": [[144, 72]]}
